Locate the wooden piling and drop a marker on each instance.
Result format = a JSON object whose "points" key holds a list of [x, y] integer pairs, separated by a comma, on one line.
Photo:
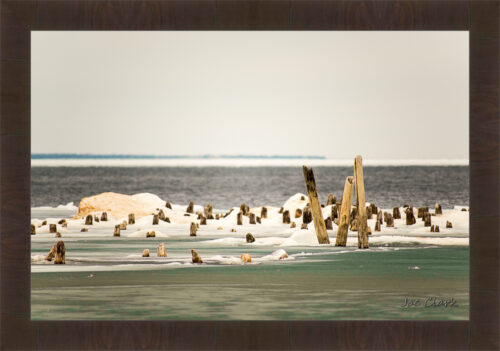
{"points": [[298, 213], [303, 226], [155, 219], [58, 235], [104, 216], [160, 250], [60, 254], [360, 196], [390, 221], [161, 215], [52, 228], [192, 229], [286, 217], [145, 253], [345, 213], [328, 223], [293, 225], [123, 225], [331, 200], [448, 224], [410, 217], [88, 220], [335, 212], [436, 229], [208, 211], [395, 212], [437, 209], [168, 205], [51, 253], [32, 229], [258, 220], [239, 218], [307, 215], [96, 218], [380, 217], [195, 257], [203, 220], [131, 218], [244, 209], [249, 238], [368, 212], [281, 210], [151, 234], [377, 226], [263, 212], [427, 219], [190, 207], [319, 223], [117, 230], [251, 217]]}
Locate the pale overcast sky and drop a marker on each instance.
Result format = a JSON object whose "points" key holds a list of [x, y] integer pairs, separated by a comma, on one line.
{"points": [[385, 95]]}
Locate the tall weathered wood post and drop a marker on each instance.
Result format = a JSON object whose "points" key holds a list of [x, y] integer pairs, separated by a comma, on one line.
{"points": [[360, 196], [345, 213], [319, 222]]}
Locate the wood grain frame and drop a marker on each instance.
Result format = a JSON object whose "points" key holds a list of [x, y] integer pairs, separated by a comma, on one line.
{"points": [[19, 17]]}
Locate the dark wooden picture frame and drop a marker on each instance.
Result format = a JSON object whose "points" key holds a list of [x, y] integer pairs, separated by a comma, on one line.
{"points": [[480, 18]]}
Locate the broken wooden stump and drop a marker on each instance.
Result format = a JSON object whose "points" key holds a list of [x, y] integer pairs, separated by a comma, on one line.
{"points": [[354, 225], [203, 220], [281, 210], [328, 223], [335, 212], [374, 209], [263, 212], [239, 218], [168, 205], [303, 226], [251, 217], [161, 251], [190, 207], [427, 219], [360, 196], [448, 224], [410, 217], [249, 238], [244, 209], [436, 229], [117, 230], [345, 213], [145, 253], [84, 230], [96, 218], [195, 257], [104, 217], [432, 228], [88, 220], [156, 219], [390, 221], [258, 220], [151, 234], [298, 213], [307, 215], [293, 225], [52, 228], [58, 235], [368, 230], [437, 209], [123, 225], [208, 211], [192, 229], [32, 229], [319, 223], [380, 217], [50, 255], [246, 258], [395, 212], [377, 226], [233, 230], [331, 200], [161, 215], [60, 253], [131, 218], [368, 212], [421, 211], [286, 217]]}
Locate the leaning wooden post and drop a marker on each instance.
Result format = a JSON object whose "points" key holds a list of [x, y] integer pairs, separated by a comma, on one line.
{"points": [[360, 195], [319, 222], [345, 213]]}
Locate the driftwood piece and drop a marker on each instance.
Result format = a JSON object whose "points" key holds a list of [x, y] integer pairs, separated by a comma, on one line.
{"points": [[286, 217], [239, 218], [360, 196], [195, 257], [117, 230], [161, 251], [307, 215], [249, 238], [345, 213], [88, 220], [263, 212], [251, 217], [246, 258], [131, 218], [319, 223]]}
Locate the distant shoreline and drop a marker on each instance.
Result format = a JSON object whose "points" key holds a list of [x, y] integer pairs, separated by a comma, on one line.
{"points": [[46, 160]]}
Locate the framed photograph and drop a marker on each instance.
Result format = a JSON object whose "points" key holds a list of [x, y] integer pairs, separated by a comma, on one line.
{"points": [[236, 175]]}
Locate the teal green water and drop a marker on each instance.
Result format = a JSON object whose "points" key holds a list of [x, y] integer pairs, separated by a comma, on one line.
{"points": [[352, 285]]}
